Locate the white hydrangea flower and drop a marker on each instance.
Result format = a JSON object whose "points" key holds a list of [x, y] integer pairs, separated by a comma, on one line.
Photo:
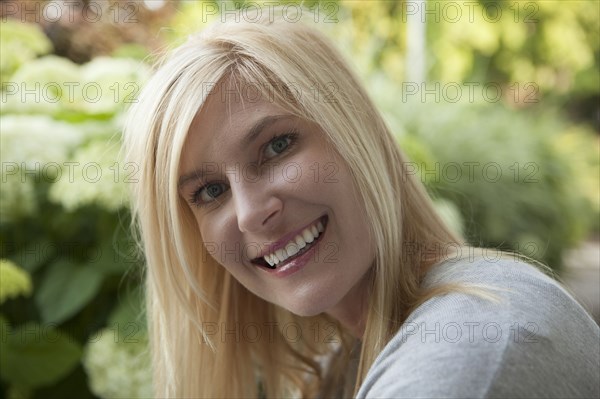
{"points": [[110, 83], [17, 197], [14, 281], [34, 140], [98, 178], [19, 43], [118, 368], [42, 86]]}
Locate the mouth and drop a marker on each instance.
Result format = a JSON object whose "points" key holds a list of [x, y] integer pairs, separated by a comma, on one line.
{"points": [[301, 243]]}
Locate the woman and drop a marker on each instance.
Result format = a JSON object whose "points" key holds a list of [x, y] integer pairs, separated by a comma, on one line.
{"points": [[289, 253]]}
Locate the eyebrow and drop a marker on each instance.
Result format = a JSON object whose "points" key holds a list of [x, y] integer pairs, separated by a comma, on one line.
{"points": [[246, 141]]}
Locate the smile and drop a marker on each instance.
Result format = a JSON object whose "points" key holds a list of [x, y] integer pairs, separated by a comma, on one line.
{"points": [[292, 248]]}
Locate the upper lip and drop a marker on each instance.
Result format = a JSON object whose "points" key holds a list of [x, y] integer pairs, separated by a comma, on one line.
{"points": [[281, 243]]}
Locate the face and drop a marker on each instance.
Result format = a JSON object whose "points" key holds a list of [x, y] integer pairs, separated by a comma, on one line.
{"points": [[260, 181]]}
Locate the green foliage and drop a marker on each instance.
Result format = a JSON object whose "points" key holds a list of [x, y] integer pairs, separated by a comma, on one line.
{"points": [[66, 289], [62, 219], [33, 355], [551, 43], [582, 147], [516, 190]]}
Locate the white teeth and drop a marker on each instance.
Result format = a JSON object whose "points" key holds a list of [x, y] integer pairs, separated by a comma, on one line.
{"points": [[307, 236], [281, 255], [292, 249], [314, 231], [269, 259], [300, 241]]}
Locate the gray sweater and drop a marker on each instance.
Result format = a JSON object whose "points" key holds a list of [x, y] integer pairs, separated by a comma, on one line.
{"points": [[536, 342]]}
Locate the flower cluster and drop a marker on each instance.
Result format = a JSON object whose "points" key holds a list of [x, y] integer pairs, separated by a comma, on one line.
{"points": [[99, 179], [14, 281], [34, 140], [57, 123], [20, 43], [118, 369], [56, 86], [40, 86]]}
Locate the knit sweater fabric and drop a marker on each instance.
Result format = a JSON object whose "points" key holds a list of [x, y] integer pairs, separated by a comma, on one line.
{"points": [[535, 341]]}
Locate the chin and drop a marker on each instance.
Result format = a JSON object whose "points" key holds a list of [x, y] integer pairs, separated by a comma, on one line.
{"points": [[308, 307], [305, 312]]}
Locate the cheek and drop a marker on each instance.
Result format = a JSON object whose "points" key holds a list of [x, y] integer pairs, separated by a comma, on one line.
{"points": [[223, 243], [216, 227], [213, 238], [314, 173]]}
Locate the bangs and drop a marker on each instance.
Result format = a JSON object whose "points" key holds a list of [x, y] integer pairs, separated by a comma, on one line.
{"points": [[249, 82]]}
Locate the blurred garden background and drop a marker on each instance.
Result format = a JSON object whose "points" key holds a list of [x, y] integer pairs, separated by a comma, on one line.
{"points": [[496, 103]]}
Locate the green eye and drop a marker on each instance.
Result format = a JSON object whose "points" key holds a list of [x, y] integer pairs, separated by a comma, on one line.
{"points": [[277, 146], [214, 190], [280, 144], [207, 193]]}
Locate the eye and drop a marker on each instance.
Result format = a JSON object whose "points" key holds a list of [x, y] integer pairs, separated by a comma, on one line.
{"points": [[280, 144], [208, 193]]}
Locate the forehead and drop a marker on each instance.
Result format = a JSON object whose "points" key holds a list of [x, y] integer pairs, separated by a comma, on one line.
{"points": [[222, 124]]}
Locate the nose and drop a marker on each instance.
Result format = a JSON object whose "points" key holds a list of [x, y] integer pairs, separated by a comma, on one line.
{"points": [[255, 206]]}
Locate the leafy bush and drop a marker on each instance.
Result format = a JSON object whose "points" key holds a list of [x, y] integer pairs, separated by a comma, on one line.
{"points": [[521, 180], [67, 257]]}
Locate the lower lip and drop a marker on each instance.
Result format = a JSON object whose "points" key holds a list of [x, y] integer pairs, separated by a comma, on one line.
{"points": [[296, 264]]}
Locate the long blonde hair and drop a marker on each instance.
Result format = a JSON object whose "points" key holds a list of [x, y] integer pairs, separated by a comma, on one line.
{"points": [[189, 294]]}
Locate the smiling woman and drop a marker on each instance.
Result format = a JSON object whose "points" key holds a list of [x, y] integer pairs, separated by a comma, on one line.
{"points": [[290, 253], [277, 205]]}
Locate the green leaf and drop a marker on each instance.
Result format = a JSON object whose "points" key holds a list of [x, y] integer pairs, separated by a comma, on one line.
{"points": [[129, 310], [35, 255], [5, 330], [67, 287], [117, 257], [34, 356]]}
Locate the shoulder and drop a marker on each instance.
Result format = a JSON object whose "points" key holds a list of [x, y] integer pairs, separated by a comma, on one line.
{"points": [[529, 341]]}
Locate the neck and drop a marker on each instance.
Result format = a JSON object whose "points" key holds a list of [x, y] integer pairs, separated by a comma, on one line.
{"points": [[352, 310]]}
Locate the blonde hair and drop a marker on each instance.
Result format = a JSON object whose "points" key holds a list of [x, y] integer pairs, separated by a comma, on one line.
{"points": [[189, 293]]}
